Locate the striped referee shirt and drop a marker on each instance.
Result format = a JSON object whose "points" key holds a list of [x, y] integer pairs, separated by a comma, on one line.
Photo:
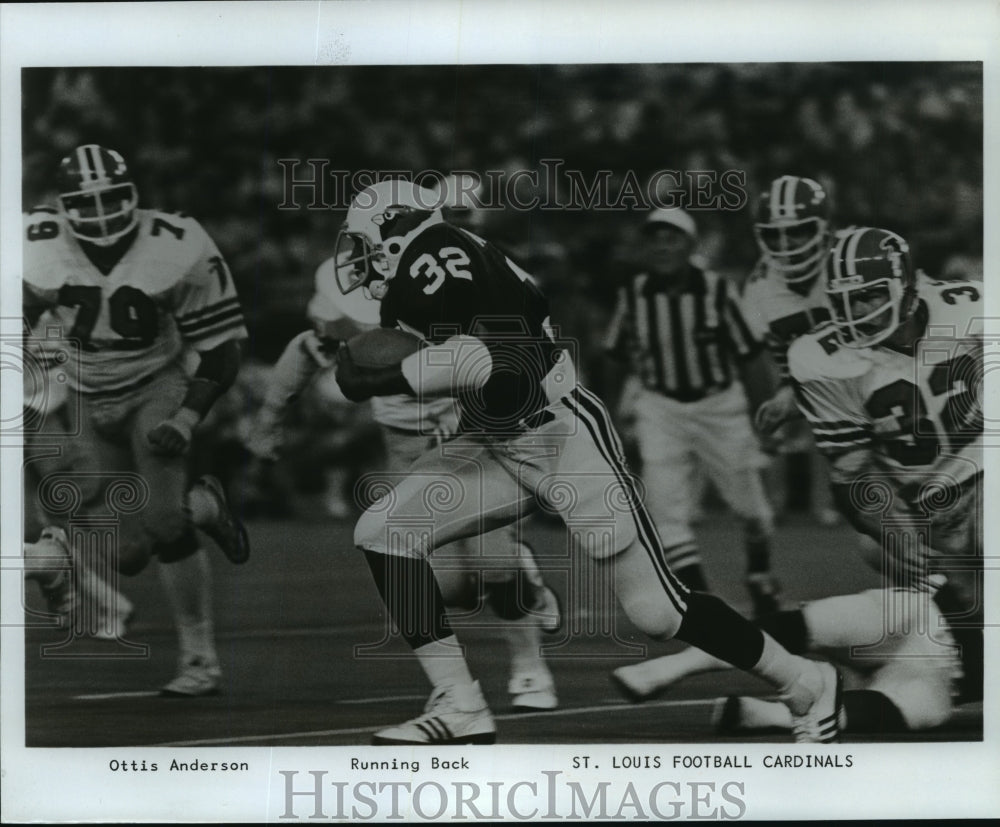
{"points": [[682, 343]]}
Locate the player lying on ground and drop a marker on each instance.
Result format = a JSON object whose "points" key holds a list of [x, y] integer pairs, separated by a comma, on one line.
{"points": [[904, 666], [497, 564], [530, 436], [132, 288]]}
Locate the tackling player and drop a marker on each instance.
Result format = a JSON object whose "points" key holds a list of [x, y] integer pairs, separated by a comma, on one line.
{"points": [[904, 668], [133, 288], [892, 389], [530, 436], [410, 427]]}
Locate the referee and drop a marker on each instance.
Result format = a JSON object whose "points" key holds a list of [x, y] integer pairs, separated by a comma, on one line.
{"points": [[689, 353]]}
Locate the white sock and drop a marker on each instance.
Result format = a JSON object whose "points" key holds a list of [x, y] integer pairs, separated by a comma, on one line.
{"points": [[188, 586], [524, 642], [667, 670], [443, 662], [758, 714], [797, 679]]}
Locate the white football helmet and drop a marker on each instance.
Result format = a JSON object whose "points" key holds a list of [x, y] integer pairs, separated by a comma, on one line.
{"points": [[381, 223], [97, 195], [793, 227], [870, 286]]}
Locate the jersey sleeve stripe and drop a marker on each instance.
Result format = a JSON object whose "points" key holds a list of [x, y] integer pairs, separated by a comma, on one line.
{"points": [[232, 301], [208, 333], [834, 425], [223, 315]]}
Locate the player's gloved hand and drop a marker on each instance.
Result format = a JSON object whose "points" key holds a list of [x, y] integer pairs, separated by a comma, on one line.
{"points": [[776, 411], [172, 436], [359, 384]]}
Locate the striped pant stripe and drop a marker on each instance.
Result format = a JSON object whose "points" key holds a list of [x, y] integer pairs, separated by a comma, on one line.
{"points": [[592, 413]]}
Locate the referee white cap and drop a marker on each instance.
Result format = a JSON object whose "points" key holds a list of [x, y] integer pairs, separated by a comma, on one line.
{"points": [[673, 217]]}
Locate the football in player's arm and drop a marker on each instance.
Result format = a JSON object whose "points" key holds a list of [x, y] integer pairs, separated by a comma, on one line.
{"points": [[492, 348]]}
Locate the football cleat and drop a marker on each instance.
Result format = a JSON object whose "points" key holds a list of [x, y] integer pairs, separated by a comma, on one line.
{"points": [[821, 723], [455, 714], [764, 589], [59, 593], [227, 531], [532, 691], [198, 678]]}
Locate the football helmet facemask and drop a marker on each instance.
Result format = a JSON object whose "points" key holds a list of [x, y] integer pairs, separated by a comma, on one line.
{"points": [[871, 285], [97, 195], [793, 227], [381, 223]]}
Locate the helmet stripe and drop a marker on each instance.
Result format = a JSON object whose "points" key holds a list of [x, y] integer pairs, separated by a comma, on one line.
{"points": [[837, 257], [775, 200], [83, 161], [852, 250], [99, 163], [788, 202]]}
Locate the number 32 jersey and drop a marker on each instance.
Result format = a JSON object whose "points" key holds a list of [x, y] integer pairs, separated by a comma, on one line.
{"points": [[451, 282], [169, 290], [920, 412]]}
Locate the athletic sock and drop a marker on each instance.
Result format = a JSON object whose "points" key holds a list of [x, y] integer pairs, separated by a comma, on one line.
{"points": [[412, 596], [759, 714], [187, 583], [443, 661]]}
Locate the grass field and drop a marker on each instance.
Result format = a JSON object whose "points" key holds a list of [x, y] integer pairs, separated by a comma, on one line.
{"points": [[289, 622]]}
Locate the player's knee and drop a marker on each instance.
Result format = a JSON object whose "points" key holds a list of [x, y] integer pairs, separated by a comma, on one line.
{"points": [[654, 614], [369, 532], [924, 702]]}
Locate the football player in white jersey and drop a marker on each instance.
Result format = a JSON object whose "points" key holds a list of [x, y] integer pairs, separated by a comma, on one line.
{"points": [[905, 668], [892, 388], [507, 572], [785, 296], [133, 288]]}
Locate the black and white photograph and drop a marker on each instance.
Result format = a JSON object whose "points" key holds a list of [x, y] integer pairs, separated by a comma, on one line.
{"points": [[454, 412]]}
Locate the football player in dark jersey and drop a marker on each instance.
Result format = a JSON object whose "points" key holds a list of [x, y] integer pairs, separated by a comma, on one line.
{"points": [[531, 436]]}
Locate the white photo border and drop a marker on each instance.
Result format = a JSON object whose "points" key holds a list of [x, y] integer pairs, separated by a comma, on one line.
{"points": [[932, 780]]}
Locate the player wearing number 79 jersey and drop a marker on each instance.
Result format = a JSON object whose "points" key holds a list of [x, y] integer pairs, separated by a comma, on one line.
{"points": [[133, 289], [892, 390]]}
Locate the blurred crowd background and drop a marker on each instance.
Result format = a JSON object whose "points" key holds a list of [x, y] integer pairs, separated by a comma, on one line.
{"points": [[897, 144]]}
